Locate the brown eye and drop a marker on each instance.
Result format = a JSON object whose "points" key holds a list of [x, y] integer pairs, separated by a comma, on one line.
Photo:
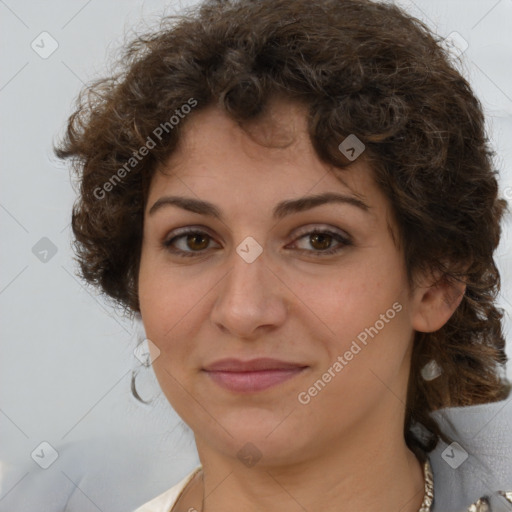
{"points": [[188, 243], [197, 241], [320, 241]]}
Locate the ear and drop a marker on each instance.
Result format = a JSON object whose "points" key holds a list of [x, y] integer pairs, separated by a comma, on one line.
{"points": [[434, 301]]}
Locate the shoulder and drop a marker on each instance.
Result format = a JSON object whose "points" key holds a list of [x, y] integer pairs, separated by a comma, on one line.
{"points": [[475, 468], [165, 501]]}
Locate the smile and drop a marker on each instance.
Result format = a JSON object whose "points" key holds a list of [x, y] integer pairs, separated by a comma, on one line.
{"points": [[253, 381], [253, 375]]}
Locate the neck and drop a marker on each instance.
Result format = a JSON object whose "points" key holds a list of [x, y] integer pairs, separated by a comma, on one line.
{"points": [[364, 472]]}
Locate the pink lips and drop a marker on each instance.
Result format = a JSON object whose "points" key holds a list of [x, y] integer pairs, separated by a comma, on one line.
{"points": [[253, 375]]}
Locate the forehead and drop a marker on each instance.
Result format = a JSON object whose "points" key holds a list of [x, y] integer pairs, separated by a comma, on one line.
{"points": [[272, 155]]}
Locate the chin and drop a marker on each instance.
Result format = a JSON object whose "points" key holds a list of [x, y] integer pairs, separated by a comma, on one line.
{"points": [[271, 440]]}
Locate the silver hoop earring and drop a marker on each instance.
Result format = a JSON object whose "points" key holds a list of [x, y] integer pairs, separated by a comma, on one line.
{"points": [[133, 387]]}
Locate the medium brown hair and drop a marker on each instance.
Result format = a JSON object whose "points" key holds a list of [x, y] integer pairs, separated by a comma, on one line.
{"points": [[360, 68]]}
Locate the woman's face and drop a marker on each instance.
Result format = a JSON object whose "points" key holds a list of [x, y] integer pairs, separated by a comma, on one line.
{"points": [[252, 281]]}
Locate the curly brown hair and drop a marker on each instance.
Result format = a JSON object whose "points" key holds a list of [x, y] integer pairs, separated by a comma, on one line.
{"points": [[359, 67]]}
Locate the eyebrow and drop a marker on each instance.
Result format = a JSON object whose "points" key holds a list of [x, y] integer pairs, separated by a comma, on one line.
{"points": [[280, 211]]}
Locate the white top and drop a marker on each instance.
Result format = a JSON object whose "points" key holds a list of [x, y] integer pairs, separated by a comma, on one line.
{"points": [[165, 501]]}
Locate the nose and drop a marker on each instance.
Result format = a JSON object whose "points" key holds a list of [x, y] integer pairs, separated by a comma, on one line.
{"points": [[251, 299]]}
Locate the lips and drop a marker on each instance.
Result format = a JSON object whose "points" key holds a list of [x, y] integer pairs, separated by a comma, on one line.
{"points": [[252, 376], [254, 365]]}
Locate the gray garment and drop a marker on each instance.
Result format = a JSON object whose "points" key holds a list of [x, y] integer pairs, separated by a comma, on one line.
{"points": [[482, 463]]}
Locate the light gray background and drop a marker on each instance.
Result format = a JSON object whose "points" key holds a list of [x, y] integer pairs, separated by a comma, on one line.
{"points": [[67, 356]]}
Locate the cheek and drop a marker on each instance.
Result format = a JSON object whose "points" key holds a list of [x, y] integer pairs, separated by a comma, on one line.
{"points": [[172, 305], [166, 310], [166, 296], [347, 301], [161, 308], [366, 337], [166, 314], [363, 320]]}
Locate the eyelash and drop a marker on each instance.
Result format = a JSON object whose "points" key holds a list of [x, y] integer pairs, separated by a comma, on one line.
{"points": [[187, 254]]}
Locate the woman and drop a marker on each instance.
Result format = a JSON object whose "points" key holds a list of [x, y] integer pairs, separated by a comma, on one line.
{"points": [[298, 198]]}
